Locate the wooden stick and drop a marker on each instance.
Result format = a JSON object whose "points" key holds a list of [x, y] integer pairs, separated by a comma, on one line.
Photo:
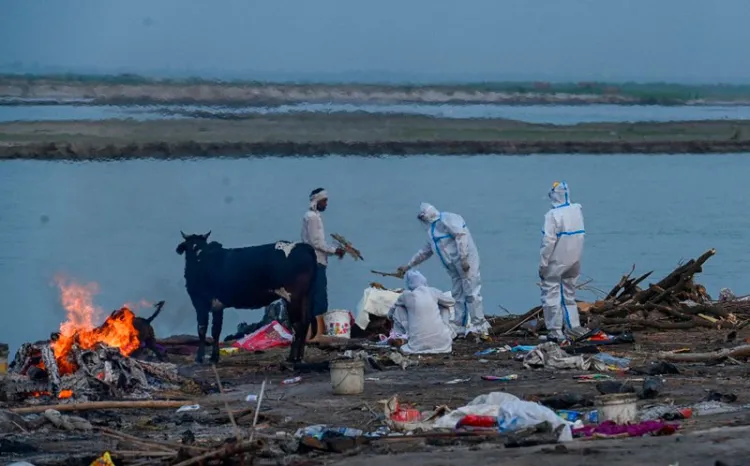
{"points": [[157, 443], [257, 409], [388, 274], [222, 453], [136, 441], [623, 281], [88, 406], [142, 454], [237, 431], [531, 316]]}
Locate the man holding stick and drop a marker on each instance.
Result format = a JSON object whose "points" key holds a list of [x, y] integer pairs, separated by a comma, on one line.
{"points": [[313, 233]]}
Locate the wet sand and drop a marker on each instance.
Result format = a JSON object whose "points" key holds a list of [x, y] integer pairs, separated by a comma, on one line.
{"points": [[360, 134], [701, 440]]}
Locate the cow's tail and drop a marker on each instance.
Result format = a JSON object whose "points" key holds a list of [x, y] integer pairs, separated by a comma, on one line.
{"points": [[158, 307]]}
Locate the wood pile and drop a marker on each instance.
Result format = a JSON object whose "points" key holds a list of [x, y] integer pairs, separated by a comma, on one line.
{"points": [[101, 373], [675, 302]]}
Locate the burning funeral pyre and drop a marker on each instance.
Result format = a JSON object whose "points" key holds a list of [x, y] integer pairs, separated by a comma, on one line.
{"points": [[87, 362]]}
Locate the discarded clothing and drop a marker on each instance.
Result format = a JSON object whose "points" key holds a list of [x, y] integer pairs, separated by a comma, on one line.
{"points": [[417, 314], [609, 429], [550, 355]]}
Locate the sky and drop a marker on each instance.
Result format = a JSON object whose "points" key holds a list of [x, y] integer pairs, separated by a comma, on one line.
{"points": [[674, 40]]}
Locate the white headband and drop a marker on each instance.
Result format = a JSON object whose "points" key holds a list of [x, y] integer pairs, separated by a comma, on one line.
{"points": [[319, 196]]}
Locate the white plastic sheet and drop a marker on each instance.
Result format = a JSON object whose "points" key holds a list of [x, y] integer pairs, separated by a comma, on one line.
{"points": [[512, 413], [376, 302]]}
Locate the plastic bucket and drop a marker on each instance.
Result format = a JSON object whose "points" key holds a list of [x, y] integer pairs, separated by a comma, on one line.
{"points": [[348, 376], [619, 408], [338, 323]]}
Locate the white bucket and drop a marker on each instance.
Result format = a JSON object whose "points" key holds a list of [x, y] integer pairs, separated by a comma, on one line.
{"points": [[619, 408], [338, 323], [348, 376]]}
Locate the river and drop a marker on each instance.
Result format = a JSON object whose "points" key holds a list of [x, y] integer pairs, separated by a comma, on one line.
{"points": [[118, 223], [552, 114]]}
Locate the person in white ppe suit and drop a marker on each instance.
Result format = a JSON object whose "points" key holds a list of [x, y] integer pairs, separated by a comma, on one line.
{"points": [[560, 263], [450, 239], [422, 314]]}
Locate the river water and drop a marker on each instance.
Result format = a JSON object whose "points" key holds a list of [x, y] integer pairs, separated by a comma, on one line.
{"points": [[552, 114], [118, 223]]}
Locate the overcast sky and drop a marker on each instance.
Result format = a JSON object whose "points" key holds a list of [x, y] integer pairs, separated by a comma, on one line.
{"points": [[684, 40]]}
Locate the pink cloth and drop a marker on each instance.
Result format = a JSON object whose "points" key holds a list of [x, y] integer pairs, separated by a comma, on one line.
{"points": [[609, 428]]}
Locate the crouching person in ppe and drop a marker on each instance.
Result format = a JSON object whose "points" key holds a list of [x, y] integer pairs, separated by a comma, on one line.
{"points": [[422, 314], [450, 239], [560, 264]]}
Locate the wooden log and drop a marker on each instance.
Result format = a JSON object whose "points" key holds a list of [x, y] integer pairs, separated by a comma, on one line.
{"points": [[632, 287], [737, 352], [671, 291], [690, 268], [642, 323], [623, 280], [699, 322], [150, 404], [711, 309]]}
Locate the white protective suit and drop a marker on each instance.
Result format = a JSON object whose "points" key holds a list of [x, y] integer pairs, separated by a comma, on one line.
{"points": [[560, 260], [450, 239], [421, 313]]}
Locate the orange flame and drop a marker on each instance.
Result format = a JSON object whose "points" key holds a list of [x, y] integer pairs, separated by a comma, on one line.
{"points": [[64, 394], [117, 331]]}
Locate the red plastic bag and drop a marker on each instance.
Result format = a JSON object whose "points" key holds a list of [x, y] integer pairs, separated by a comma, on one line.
{"points": [[268, 336]]}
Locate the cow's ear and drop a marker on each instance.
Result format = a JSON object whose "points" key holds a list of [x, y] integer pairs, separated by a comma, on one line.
{"points": [[207, 235]]}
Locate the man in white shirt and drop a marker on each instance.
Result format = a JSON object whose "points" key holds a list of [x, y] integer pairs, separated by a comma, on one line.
{"points": [[313, 233]]}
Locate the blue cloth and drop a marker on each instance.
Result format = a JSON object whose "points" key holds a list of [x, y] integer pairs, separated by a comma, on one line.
{"points": [[320, 292]]}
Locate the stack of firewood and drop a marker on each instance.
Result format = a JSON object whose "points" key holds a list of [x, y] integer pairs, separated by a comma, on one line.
{"points": [[675, 302]]}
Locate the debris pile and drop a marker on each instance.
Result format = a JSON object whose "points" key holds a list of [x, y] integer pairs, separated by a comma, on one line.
{"points": [[675, 302]]}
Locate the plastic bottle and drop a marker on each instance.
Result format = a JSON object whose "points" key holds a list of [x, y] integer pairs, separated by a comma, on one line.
{"points": [[610, 360], [291, 381]]}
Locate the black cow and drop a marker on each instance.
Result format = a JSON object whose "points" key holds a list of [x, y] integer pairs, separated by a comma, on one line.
{"points": [[248, 278]]}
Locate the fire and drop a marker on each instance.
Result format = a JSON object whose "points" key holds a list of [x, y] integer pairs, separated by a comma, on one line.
{"points": [[117, 330], [64, 394]]}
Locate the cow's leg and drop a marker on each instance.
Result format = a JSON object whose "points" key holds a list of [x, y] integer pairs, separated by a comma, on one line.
{"points": [[305, 308], [298, 324], [202, 309], [216, 324]]}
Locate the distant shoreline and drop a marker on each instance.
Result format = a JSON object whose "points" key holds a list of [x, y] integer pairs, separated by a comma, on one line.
{"points": [[137, 90], [191, 150], [358, 134]]}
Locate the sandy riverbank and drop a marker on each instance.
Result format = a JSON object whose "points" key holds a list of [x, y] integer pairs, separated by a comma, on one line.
{"points": [[701, 439], [357, 134], [131, 90]]}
